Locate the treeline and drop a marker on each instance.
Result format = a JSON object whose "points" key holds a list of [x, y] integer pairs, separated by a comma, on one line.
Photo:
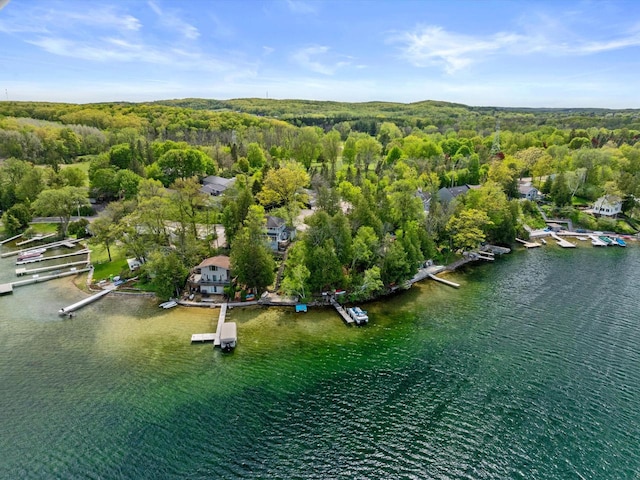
{"points": [[372, 182]]}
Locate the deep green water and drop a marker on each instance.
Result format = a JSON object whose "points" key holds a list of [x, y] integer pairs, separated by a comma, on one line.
{"points": [[530, 370]]}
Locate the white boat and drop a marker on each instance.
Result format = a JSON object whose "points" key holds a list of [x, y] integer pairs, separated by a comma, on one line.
{"points": [[169, 304], [359, 316], [544, 242], [31, 254]]}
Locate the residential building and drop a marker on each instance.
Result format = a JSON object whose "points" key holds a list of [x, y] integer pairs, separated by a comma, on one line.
{"points": [[528, 191], [214, 185], [447, 194], [278, 235], [607, 206], [211, 276]]}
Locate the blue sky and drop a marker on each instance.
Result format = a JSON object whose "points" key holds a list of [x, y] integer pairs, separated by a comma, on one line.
{"points": [[503, 53]]}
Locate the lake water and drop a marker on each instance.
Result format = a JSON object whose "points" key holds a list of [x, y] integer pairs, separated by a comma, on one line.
{"points": [[530, 370]]}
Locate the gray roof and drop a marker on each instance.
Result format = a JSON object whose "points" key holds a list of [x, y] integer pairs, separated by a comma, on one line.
{"points": [[274, 222]]}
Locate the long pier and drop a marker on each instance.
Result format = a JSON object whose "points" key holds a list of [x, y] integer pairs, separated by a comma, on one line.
{"points": [[37, 238], [24, 271], [67, 243], [7, 240], [343, 313], [86, 301], [442, 280], [54, 257], [6, 288], [221, 319]]}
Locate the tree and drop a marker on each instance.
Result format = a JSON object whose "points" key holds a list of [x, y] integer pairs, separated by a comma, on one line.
{"points": [[73, 177], [61, 203], [560, 192], [331, 146], [395, 265], [368, 149], [295, 281], [255, 156], [121, 155], [16, 219], [250, 258], [105, 230], [282, 187], [371, 285], [307, 147], [167, 271], [467, 228], [364, 247], [184, 163]]}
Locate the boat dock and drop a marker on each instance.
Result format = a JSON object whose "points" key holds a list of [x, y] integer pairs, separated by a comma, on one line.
{"points": [[7, 240], [35, 239], [226, 333], [596, 242], [8, 287], [442, 280], [528, 244], [86, 301], [70, 243], [562, 242], [343, 313], [32, 271], [54, 257]]}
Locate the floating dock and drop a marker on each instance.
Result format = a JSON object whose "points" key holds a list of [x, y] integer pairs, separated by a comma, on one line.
{"points": [[75, 306], [54, 257], [7, 240], [6, 288], [32, 271], [596, 242], [442, 280], [528, 244], [66, 243], [562, 242], [203, 337], [35, 239], [343, 313]]}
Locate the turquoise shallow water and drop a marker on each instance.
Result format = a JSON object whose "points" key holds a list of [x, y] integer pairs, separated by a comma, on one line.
{"points": [[530, 370]]}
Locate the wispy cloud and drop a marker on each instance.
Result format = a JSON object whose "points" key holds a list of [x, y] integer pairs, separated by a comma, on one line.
{"points": [[435, 46], [171, 19], [301, 7], [308, 58]]}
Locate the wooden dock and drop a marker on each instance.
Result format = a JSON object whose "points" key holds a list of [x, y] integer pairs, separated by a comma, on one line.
{"points": [[442, 280], [221, 319], [32, 271], [561, 241], [7, 240], [37, 238], [54, 257], [66, 243], [203, 337], [596, 242], [343, 313], [528, 244], [6, 288]]}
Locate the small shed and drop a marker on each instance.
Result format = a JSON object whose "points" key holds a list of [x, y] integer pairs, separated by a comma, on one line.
{"points": [[228, 336]]}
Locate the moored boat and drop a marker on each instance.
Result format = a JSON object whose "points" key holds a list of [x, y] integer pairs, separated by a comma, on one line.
{"points": [[359, 316], [620, 242], [606, 239], [35, 253]]}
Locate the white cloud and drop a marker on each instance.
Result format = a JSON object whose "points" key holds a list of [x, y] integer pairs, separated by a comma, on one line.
{"points": [[171, 20], [307, 58], [435, 46]]}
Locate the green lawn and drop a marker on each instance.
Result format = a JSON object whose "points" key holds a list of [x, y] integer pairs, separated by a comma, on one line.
{"points": [[103, 268], [44, 227]]}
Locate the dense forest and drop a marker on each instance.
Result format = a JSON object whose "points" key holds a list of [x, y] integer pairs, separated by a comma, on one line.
{"points": [[360, 182]]}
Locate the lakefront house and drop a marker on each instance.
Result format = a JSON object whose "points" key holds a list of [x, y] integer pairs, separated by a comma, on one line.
{"points": [[607, 206], [211, 276]]}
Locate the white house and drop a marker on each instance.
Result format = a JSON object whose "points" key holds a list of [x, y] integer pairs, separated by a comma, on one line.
{"points": [[211, 276], [608, 206], [277, 233]]}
